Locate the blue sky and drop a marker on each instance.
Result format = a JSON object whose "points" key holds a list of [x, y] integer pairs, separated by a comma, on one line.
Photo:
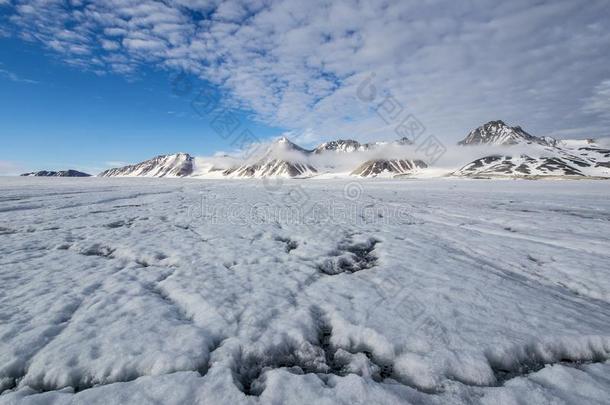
{"points": [[54, 116], [87, 84]]}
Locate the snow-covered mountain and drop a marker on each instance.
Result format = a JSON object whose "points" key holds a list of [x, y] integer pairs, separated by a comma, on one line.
{"points": [[349, 145], [388, 167], [282, 158], [340, 145], [525, 155], [62, 173], [176, 165], [498, 133], [283, 145], [495, 149], [523, 165], [272, 168]]}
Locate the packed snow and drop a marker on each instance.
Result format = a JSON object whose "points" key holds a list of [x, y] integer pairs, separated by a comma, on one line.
{"points": [[413, 291]]}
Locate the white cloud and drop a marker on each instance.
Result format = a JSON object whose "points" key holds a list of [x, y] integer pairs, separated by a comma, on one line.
{"points": [[599, 102], [110, 45], [143, 44], [15, 78], [298, 64]]}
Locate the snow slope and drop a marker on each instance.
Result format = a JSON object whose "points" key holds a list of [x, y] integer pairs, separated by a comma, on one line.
{"points": [[537, 161], [282, 158], [519, 154], [176, 165], [272, 168], [243, 292], [388, 167]]}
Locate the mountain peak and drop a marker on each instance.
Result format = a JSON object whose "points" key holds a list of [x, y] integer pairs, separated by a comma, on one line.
{"points": [[176, 155], [497, 122], [284, 144], [499, 133], [388, 167], [173, 165], [340, 145]]}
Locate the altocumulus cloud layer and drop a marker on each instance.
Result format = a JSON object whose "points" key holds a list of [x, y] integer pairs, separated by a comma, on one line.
{"points": [[297, 64]]}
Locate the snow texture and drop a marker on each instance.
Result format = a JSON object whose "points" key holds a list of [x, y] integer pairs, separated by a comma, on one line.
{"points": [[182, 291]]}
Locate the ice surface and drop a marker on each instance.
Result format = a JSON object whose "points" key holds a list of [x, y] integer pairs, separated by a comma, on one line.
{"points": [[383, 291]]}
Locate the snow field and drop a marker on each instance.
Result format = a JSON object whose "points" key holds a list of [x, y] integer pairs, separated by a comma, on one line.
{"points": [[478, 292]]}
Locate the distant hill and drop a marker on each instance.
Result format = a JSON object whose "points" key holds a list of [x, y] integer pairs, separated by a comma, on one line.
{"points": [[63, 173]]}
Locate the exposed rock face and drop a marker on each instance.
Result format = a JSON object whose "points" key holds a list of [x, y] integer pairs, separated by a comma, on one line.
{"points": [[543, 161], [544, 157], [176, 165], [524, 165], [349, 145], [498, 133], [63, 173], [282, 158], [340, 145], [393, 167], [272, 168]]}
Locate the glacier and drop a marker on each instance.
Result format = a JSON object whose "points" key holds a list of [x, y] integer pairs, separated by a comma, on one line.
{"points": [[419, 291]]}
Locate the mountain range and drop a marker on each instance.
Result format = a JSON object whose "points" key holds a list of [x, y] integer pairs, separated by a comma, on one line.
{"points": [[493, 150]]}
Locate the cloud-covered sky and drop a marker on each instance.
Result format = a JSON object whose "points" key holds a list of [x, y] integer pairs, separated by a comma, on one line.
{"points": [[297, 65]]}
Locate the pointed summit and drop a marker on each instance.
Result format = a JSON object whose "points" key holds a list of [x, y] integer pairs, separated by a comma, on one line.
{"points": [[498, 133], [285, 144]]}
